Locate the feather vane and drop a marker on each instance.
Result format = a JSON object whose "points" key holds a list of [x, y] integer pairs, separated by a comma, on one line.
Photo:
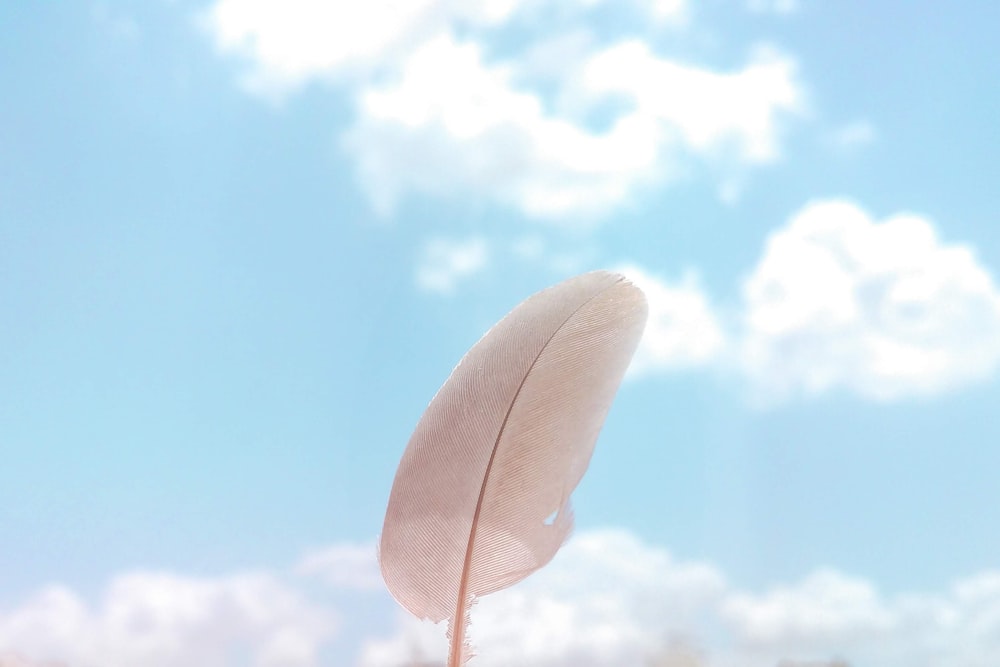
{"points": [[481, 498]]}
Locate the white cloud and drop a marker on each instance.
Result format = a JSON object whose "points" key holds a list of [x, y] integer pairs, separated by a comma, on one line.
{"points": [[168, 620], [781, 7], [853, 136], [831, 614], [344, 566], [445, 262], [438, 116], [452, 124], [288, 45], [707, 112], [837, 301], [883, 309], [292, 43], [609, 600], [816, 615], [667, 11], [606, 600], [682, 330]]}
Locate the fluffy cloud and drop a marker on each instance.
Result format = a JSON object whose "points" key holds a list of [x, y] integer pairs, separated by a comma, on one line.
{"points": [[289, 45], [452, 124], [344, 566], [819, 614], [606, 600], [167, 620], [883, 309], [609, 600], [830, 613], [438, 116], [682, 330], [298, 42], [837, 301], [705, 111], [445, 262]]}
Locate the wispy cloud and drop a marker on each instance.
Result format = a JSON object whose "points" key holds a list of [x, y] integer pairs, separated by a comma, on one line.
{"points": [[352, 566], [780, 7], [445, 262], [853, 136]]}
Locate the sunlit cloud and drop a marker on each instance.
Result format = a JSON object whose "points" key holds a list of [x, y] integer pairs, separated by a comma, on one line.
{"points": [[170, 620], [446, 262], [439, 114], [683, 330], [453, 124], [607, 599], [351, 566], [884, 309]]}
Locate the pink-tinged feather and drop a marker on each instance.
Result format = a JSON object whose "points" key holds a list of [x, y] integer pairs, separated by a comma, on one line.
{"points": [[501, 447]]}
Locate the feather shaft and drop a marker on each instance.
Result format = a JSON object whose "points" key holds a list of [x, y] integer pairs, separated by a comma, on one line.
{"points": [[501, 447]]}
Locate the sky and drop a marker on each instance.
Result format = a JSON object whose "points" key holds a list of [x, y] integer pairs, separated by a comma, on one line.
{"points": [[243, 243]]}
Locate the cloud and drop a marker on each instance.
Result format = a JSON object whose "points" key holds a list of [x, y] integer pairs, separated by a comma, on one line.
{"points": [[853, 136], [884, 309], [605, 599], [780, 7], [343, 566], [667, 11], [832, 614], [169, 620], [289, 45], [445, 262], [682, 330], [816, 615], [705, 111], [609, 599], [303, 41], [452, 124], [837, 302], [440, 113], [15, 660]]}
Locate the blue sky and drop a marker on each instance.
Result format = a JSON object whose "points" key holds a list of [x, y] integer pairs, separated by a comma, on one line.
{"points": [[242, 245]]}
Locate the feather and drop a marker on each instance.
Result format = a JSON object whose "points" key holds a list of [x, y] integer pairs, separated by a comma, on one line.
{"points": [[481, 495]]}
